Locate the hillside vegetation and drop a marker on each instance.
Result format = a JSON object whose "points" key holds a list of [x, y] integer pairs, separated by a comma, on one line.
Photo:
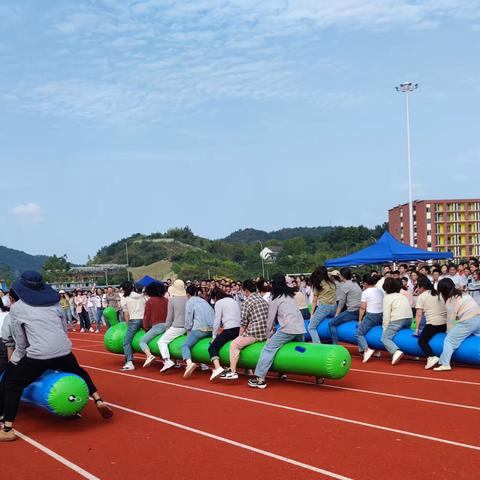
{"points": [[14, 262], [237, 256]]}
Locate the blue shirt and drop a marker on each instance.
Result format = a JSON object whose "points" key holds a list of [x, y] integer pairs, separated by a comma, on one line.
{"points": [[199, 314]]}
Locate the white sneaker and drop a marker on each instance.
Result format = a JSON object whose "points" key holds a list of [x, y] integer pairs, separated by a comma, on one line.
{"points": [[82, 330], [128, 366], [431, 362], [91, 330], [148, 361], [189, 370], [167, 364], [443, 368], [229, 375], [216, 373], [396, 357], [367, 354]]}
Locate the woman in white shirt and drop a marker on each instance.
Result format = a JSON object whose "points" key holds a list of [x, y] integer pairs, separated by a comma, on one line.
{"points": [[370, 314], [397, 314], [463, 320], [431, 305]]}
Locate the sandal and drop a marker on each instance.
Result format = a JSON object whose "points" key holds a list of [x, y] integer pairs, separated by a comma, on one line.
{"points": [[104, 410]]}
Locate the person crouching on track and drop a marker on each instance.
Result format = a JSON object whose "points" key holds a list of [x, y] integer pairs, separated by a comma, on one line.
{"points": [[154, 318], [397, 314], [175, 322], [253, 326], [133, 307], [370, 315], [226, 327], [199, 316], [283, 309], [463, 320], [41, 343], [430, 304]]}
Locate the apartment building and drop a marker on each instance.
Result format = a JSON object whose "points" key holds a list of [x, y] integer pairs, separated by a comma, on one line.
{"points": [[440, 225]]}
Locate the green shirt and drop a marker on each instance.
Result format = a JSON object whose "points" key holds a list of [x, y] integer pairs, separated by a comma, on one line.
{"points": [[326, 296]]}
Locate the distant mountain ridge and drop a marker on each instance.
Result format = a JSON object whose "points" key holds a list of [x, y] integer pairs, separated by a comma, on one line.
{"points": [[249, 235], [14, 262]]}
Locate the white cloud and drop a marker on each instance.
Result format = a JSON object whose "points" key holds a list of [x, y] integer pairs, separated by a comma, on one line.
{"points": [[142, 60], [28, 212]]}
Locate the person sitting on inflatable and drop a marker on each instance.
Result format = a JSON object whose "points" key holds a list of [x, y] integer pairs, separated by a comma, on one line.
{"points": [[253, 326], [41, 343], [283, 310], [397, 314], [199, 316], [463, 320], [430, 304]]}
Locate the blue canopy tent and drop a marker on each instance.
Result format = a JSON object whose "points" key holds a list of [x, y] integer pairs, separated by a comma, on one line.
{"points": [[387, 249], [147, 280]]}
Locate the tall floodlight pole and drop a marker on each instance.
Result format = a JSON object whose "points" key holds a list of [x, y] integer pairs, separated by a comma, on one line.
{"points": [[407, 88], [126, 249]]}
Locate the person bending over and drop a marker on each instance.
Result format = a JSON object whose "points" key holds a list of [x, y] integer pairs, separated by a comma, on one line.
{"points": [[199, 316], [281, 309], [253, 326], [41, 343], [154, 318], [226, 327]]}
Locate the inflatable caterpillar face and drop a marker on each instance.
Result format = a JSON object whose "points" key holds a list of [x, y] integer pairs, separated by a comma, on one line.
{"points": [[63, 394]]}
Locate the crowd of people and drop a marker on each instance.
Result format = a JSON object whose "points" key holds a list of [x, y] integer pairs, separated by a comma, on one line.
{"points": [[428, 299]]}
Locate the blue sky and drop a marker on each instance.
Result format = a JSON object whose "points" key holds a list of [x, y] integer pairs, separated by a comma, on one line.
{"points": [[123, 116]]}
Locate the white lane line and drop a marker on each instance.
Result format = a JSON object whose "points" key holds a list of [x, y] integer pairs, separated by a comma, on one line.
{"points": [[419, 377], [413, 376], [57, 457], [392, 395], [234, 443], [370, 392], [292, 409], [87, 340]]}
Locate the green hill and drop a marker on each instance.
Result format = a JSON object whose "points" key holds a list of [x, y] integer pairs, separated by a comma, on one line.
{"points": [[237, 256], [14, 262]]}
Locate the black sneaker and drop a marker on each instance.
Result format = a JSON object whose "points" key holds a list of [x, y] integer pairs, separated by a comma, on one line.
{"points": [[256, 383]]}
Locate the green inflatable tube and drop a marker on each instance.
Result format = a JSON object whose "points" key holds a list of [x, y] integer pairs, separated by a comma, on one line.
{"points": [[321, 361], [110, 316]]}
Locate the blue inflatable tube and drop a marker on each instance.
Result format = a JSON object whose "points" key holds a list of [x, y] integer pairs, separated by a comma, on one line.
{"points": [[63, 394], [468, 352]]}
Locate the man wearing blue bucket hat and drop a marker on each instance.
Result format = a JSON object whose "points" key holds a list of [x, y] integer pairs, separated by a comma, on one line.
{"points": [[41, 343]]}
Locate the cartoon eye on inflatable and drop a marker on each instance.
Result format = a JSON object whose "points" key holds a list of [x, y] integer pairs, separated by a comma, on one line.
{"points": [[72, 398]]}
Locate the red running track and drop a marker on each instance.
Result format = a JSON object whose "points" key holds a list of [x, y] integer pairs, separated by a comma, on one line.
{"points": [[379, 421]]}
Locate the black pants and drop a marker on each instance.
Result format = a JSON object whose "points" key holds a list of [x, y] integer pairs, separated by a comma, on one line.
{"points": [[221, 340], [3, 356], [27, 371], [427, 334], [84, 319]]}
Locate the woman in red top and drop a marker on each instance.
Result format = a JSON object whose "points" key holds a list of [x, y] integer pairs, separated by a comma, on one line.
{"points": [[154, 318]]}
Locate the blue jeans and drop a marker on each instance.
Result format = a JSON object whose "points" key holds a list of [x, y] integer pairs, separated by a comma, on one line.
{"points": [[192, 338], [133, 326], [342, 318], [276, 341], [157, 329], [369, 321], [99, 317], [321, 312], [457, 335], [389, 332]]}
